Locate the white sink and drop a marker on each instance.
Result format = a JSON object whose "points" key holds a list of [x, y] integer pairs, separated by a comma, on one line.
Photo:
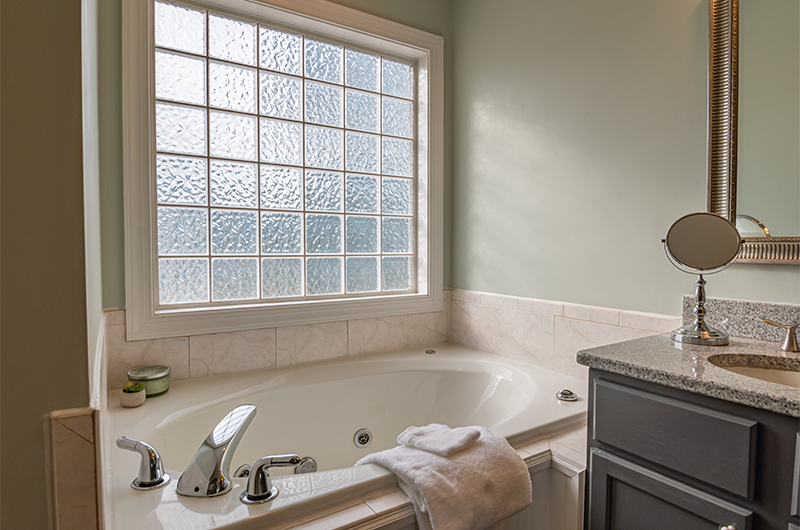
{"points": [[773, 375], [754, 366]]}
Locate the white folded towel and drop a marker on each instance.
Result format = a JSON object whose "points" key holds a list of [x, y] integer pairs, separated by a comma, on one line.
{"points": [[470, 490], [439, 439]]}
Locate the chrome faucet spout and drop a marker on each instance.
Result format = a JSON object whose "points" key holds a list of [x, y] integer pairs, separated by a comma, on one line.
{"points": [[208, 474]]}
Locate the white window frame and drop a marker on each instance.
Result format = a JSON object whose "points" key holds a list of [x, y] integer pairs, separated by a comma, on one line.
{"points": [[144, 319]]}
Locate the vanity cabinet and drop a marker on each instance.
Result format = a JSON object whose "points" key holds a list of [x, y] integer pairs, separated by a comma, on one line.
{"points": [[663, 458]]}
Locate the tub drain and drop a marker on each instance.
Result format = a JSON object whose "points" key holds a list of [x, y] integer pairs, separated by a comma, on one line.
{"points": [[362, 438]]}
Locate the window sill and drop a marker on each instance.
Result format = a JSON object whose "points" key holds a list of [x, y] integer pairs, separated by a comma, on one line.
{"points": [[200, 321]]}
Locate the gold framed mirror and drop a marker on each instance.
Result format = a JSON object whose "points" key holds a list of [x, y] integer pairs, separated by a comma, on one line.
{"points": [[723, 102]]}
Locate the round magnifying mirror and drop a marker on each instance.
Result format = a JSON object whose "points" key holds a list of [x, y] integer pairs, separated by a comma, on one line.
{"points": [[702, 243]]}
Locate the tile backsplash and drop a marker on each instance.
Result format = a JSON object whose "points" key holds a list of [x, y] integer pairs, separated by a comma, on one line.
{"points": [[538, 332], [221, 353], [742, 318], [544, 333]]}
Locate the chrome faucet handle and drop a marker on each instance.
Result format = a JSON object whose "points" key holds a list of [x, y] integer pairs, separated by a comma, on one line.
{"points": [[259, 484], [208, 474], [151, 472], [790, 344]]}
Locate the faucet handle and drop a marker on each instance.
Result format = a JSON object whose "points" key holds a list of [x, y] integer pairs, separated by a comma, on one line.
{"points": [[259, 483], [151, 472], [790, 343]]}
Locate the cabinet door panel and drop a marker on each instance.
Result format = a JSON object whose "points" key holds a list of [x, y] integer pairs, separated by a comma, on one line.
{"points": [[626, 496], [711, 446]]}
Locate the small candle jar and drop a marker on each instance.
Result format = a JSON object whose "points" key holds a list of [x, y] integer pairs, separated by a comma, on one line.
{"points": [[154, 378]]}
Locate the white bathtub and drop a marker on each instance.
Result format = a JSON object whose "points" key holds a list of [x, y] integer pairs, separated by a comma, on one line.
{"points": [[314, 410]]}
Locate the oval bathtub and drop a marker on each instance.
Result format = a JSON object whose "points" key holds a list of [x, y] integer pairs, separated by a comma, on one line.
{"points": [[314, 410]]}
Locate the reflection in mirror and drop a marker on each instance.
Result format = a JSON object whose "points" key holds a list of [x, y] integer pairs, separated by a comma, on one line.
{"points": [[701, 243], [768, 173]]}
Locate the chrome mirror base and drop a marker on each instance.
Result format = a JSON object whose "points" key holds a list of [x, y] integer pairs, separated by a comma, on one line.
{"points": [[702, 335]]}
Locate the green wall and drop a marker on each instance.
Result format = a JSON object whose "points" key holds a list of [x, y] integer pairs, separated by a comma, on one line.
{"points": [[579, 137], [43, 337]]}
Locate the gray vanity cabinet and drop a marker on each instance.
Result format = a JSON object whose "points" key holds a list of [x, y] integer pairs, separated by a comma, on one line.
{"points": [[663, 458]]}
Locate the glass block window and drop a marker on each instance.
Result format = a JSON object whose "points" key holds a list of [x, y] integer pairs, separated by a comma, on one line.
{"points": [[284, 163]]}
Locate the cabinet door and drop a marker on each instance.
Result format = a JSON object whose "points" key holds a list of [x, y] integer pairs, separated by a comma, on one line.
{"points": [[626, 496]]}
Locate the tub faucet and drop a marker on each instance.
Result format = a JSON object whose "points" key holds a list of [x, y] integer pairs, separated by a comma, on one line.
{"points": [[208, 474]]}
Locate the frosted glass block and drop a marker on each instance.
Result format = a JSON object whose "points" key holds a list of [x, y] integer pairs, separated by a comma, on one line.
{"points": [[324, 191], [281, 233], [233, 232], [180, 78], [181, 180], [396, 235], [281, 142], [398, 117], [398, 79], [362, 111], [182, 231], [398, 157], [280, 51], [397, 195], [363, 152], [323, 104], [180, 129], [324, 148], [231, 40], [182, 281], [396, 273], [323, 234], [234, 184], [232, 87], [233, 136], [281, 96], [281, 277], [362, 275], [281, 188], [361, 70], [323, 276], [234, 278], [361, 193], [180, 28], [323, 61], [361, 234]]}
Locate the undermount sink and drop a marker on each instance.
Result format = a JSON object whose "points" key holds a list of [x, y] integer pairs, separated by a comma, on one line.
{"points": [[780, 370]]}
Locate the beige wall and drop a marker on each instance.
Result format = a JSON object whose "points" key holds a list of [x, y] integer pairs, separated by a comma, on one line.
{"points": [[43, 346]]}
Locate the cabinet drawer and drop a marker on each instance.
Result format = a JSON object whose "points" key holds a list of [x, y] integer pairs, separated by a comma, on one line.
{"points": [[710, 446]]}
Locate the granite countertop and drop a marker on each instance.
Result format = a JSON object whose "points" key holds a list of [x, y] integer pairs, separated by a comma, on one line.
{"points": [[685, 366]]}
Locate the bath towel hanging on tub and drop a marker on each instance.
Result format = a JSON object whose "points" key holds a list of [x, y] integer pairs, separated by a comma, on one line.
{"points": [[482, 481]]}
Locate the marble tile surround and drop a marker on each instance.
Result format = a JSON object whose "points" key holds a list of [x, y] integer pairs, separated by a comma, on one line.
{"points": [[221, 353], [539, 332], [545, 333], [72, 464]]}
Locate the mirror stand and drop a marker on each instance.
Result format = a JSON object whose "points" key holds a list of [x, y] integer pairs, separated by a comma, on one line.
{"points": [[698, 332]]}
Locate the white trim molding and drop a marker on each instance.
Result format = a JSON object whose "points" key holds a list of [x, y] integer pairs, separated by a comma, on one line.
{"points": [[145, 319]]}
